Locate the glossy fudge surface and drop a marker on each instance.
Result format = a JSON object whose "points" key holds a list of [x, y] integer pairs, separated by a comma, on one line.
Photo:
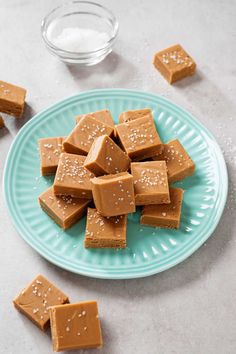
{"points": [[75, 326], [64, 210], [50, 150], [174, 63], [165, 215], [72, 178], [179, 164], [82, 136], [103, 232], [103, 116], [139, 138], [150, 182], [134, 114], [12, 99], [106, 157], [114, 194], [35, 300]]}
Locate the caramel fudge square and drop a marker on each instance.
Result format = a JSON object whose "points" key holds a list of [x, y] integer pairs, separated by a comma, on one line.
{"points": [[50, 150], [104, 116], [72, 178], [105, 157], [179, 164], [12, 99], [174, 63], [75, 326], [82, 136], [134, 114], [103, 232], [64, 210], [35, 300], [139, 138], [113, 195], [165, 215], [150, 182]]}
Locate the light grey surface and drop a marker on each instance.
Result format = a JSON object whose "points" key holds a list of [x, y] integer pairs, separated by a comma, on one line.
{"points": [[190, 309]]}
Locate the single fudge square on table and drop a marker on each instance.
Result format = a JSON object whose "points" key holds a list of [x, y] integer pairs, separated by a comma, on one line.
{"points": [[35, 300], [105, 157], [82, 136], [165, 215], [50, 150], [134, 114], [75, 326], [72, 178], [64, 210], [103, 232], [103, 116], [139, 138], [174, 63], [114, 194], [150, 182], [12, 99], [179, 164]]}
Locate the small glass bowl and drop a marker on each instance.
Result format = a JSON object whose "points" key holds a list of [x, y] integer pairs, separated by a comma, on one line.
{"points": [[82, 14]]}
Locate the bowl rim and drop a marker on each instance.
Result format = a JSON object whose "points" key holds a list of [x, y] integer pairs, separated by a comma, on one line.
{"points": [[57, 49]]}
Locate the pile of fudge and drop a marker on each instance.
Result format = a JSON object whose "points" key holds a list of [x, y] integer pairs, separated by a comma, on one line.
{"points": [[106, 171]]}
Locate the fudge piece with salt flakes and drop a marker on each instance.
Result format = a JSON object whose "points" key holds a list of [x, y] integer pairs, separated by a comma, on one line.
{"points": [[64, 210], [179, 164], [103, 232], [12, 99], [50, 150], [134, 114], [82, 136], [103, 116], [174, 63], [165, 215], [150, 182], [105, 157], [75, 326], [114, 194], [72, 178], [35, 300], [139, 138]]}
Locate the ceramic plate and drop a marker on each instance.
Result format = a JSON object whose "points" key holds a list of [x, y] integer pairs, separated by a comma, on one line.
{"points": [[149, 250]]}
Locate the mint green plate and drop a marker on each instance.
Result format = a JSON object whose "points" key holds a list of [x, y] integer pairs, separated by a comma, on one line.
{"points": [[149, 250]]}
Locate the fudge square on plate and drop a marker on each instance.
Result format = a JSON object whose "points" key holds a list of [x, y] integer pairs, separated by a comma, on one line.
{"points": [[114, 194], [64, 210], [165, 215], [35, 300], [82, 136], [12, 99], [150, 182], [103, 232], [134, 114], [72, 178], [105, 157], [75, 326], [179, 164], [139, 138], [103, 116], [49, 151], [174, 63]]}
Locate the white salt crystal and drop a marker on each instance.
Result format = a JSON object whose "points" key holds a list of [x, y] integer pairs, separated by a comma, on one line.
{"points": [[75, 39]]}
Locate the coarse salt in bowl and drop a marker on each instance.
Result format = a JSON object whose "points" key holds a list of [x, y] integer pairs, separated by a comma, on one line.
{"points": [[81, 32]]}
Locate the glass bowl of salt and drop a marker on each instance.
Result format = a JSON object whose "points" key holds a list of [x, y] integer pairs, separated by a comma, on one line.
{"points": [[80, 32]]}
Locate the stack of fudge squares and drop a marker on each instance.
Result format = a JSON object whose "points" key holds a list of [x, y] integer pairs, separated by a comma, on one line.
{"points": [[107, 170]]}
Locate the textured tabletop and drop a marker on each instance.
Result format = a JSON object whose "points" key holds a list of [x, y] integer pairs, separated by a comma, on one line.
{"points": [[191, 308]]}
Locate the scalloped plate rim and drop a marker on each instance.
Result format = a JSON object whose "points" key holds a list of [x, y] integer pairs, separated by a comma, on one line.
{"points": [[105, 274]]}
